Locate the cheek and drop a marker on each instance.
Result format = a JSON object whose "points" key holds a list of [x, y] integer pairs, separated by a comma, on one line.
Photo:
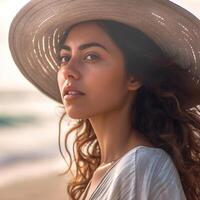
{"points": [[102, 96], [108, 93]]}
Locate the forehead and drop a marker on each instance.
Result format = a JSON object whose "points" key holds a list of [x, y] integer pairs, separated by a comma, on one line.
{"points": [[87, 31], [91, 33]]}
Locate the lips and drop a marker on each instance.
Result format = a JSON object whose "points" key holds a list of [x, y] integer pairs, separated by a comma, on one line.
{"points": [[74, 92], [69, 90]]}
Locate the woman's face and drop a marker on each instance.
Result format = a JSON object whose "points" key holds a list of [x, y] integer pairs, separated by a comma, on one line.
{"points": [[94, 65]]}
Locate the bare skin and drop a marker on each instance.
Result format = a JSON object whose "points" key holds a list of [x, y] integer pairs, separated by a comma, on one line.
{"points": [[100, 73]]}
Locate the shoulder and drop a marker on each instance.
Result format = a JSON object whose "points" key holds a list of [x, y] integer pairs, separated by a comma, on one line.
{"points": [[142, 158], [154, 162], [142, 161], [156, 175], [144, 173], [152, 157]]}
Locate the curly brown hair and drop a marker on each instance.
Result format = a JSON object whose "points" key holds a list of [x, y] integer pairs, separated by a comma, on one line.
{"points": [[159, 112]]}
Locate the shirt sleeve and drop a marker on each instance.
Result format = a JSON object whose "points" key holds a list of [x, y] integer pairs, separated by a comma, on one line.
{"points": [[156, 177]]}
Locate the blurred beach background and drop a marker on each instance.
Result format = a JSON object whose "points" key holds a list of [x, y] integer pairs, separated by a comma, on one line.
{"points": [[30, 161]]}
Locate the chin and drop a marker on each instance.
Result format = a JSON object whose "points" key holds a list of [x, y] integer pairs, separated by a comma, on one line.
{"points": [[76, 115]]}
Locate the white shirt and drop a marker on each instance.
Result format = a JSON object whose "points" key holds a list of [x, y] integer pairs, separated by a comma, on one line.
{"points": [[143, 173]]}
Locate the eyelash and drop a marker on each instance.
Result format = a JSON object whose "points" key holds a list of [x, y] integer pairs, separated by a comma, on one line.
{"points": [[65, 56]]}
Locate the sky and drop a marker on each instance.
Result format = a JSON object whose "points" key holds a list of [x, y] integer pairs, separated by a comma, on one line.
{"points": [[10, 77]]}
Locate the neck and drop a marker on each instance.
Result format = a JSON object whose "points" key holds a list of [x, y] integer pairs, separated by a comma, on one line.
{"points": [[114, 134]]}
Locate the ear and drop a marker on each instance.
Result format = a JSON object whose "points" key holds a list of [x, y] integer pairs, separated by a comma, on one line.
{"points": [[134, 84]]}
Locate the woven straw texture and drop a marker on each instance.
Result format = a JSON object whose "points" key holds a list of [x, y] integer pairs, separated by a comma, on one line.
{"points": [[36, 31]]}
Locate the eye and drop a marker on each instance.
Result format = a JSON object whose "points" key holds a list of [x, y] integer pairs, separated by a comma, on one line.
{"points": [[64, 59], [91, 57]]}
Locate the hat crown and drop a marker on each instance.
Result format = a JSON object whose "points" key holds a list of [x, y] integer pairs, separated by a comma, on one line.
{"points": [[36, 31]]}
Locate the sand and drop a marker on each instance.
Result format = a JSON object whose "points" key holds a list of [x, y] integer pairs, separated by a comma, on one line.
{"points": [[48, 187], [35, 181]]}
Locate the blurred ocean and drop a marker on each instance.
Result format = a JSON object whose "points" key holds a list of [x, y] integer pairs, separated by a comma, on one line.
{"points": [[28, 135]]}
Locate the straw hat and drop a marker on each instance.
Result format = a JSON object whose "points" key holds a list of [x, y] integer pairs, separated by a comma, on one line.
{"points": [[36, 31]]}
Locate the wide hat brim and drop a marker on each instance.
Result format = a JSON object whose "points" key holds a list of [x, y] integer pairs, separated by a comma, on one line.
{"points": [[36, 31]]}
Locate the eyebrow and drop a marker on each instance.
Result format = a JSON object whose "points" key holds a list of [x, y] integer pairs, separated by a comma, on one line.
{"points": [[84, 46]]}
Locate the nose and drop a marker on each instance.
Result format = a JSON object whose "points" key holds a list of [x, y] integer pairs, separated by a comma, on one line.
{"points": [[70, 70]]}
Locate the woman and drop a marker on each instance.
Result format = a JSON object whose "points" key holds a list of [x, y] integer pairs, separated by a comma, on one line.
{"points": [[135, 95]]}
